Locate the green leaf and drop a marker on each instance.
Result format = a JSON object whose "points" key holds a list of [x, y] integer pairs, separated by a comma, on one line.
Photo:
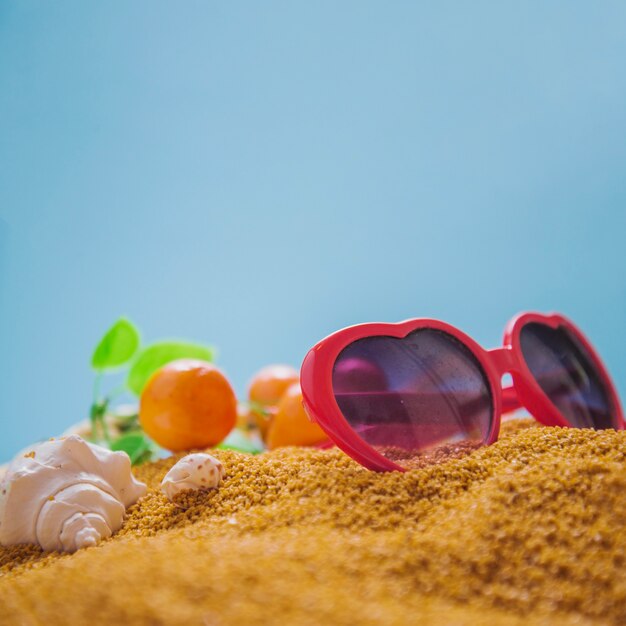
{"points": [[118, 346], [138, 447], [157, 355], [240, 442]]}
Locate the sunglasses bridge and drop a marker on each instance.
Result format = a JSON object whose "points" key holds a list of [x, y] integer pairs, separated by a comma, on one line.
{"points": [[503, 359]]}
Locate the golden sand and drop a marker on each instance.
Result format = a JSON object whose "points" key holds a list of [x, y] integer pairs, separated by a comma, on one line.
{"points": [[527, 531]]}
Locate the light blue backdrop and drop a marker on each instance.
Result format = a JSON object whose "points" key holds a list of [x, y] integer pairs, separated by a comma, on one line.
{"points": [[259, 174]]}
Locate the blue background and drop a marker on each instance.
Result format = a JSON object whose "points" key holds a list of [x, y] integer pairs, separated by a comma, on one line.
{"points": [[257, 175]]}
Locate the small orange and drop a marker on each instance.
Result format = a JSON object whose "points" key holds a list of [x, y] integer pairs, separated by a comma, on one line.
{"points": [[291, 426], [268, 385], [188, 404], [265, 391]]}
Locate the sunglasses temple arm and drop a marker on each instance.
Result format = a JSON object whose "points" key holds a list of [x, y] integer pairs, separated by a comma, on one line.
{"points": [[510, 401]]}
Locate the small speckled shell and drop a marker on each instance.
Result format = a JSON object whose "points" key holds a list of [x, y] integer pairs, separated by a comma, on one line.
{"points": [[197, 471]]}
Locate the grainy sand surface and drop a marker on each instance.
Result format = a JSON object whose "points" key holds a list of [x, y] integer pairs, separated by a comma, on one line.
{"points": [[527, 531]]}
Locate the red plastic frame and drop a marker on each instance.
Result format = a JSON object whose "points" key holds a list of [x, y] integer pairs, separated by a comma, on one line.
{"points": [[321, 406]]}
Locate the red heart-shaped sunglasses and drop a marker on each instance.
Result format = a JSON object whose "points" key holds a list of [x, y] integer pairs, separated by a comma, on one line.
{"points": [[391, 394]]}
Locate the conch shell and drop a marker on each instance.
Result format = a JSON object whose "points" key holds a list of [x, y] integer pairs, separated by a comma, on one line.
{"points": [[66, 494], [199, 471]]}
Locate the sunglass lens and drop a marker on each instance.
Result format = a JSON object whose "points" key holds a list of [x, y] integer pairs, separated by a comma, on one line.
{"points": [[565, 371], [411, 398]]}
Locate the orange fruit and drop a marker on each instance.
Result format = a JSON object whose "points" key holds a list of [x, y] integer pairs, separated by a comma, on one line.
{"points": [[265, 391], [262, 418], [291, 426], [268, 385], [188, 404]]}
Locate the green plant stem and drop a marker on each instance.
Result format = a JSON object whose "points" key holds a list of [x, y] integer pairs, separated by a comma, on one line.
{"points": [[116, 393], [96, 388], [98, 412]]}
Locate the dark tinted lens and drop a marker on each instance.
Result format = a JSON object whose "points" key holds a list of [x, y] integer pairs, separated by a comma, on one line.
{"points": [[410, 396], [566, 373]]}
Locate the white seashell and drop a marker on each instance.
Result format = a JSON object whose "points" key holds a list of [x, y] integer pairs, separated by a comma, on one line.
{"points": [[198, 471], [65, 495]]}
